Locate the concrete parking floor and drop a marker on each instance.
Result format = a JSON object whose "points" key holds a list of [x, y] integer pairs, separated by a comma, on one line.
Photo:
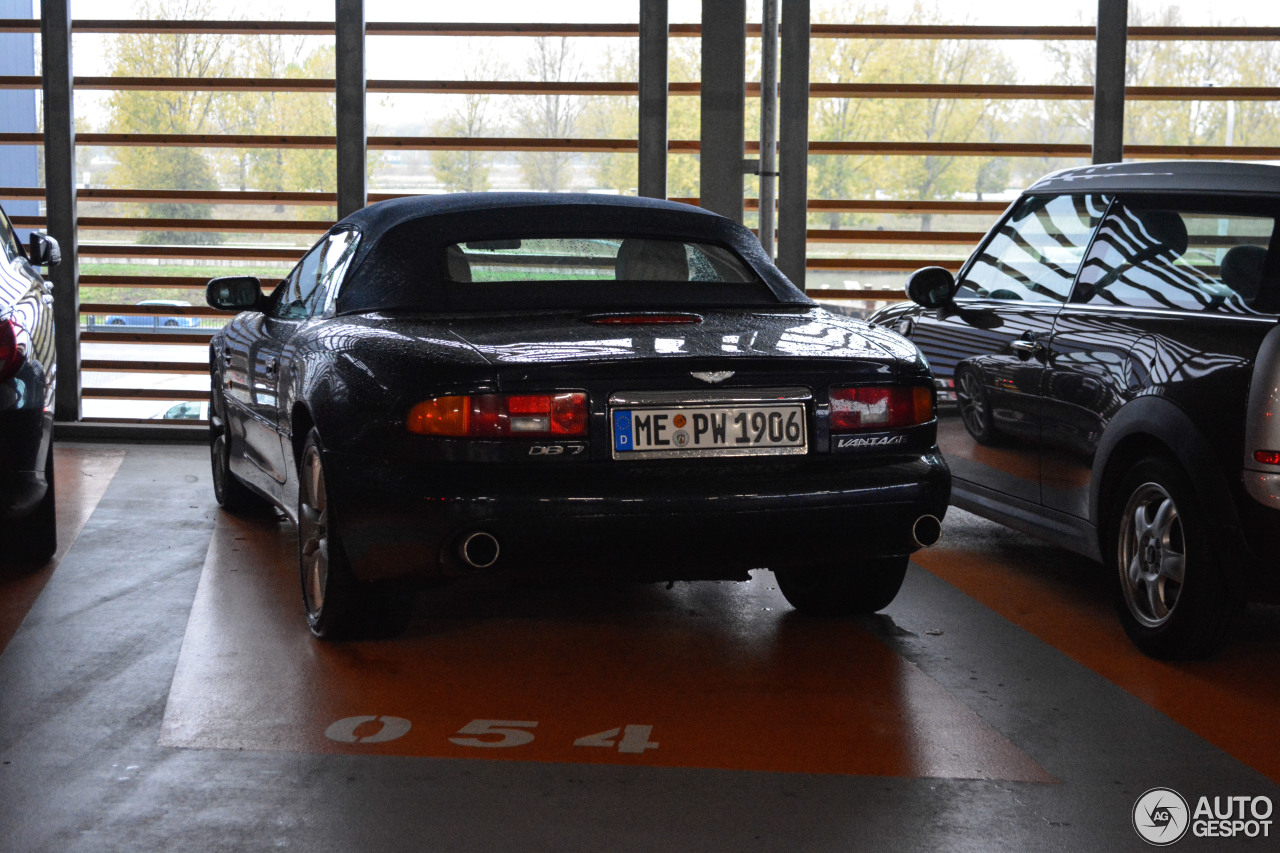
{"points": [[159, 691]]}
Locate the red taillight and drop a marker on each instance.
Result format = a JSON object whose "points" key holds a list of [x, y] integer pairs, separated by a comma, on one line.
{"points": [[11, 355], [1267, 457], [880, 407], [556, 415]]}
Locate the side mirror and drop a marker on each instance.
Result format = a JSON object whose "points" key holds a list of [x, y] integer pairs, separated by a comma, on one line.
{"points": [[931, 287], [234, 293], [43, 250]]}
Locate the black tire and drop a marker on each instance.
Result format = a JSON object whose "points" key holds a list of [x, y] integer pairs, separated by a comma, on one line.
{"points": [[232, 494], [34, 539], [338, 607], [115, 322], [975, 406], [1172, 598], [825, 590]]}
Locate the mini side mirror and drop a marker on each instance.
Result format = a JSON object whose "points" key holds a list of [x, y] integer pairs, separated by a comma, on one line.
{"points": [[931, 287], [43, 250], [234, 293]]}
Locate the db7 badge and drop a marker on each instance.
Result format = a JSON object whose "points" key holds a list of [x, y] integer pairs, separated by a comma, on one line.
{"points": [[556, 449]]}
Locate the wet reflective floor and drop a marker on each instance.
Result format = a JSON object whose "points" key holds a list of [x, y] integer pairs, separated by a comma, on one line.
{"points": [[159, 690]]}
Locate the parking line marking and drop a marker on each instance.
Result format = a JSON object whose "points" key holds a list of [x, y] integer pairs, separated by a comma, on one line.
{"points": [[1223, 700]]}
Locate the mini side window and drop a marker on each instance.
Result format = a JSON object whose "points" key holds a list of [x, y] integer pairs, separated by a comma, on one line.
{"points": [[1177, 259], [1035, 254]]}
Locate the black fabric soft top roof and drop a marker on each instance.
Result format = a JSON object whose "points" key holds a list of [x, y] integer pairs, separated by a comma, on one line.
{"points": [[383, 215], [400, 263]]}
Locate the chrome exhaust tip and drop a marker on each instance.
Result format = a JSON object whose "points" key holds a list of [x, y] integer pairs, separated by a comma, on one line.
{"points": [[926, 531], [480, 550]]}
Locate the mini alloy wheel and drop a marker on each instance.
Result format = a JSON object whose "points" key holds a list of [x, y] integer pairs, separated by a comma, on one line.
{"points": [[1173, 600], [1152, 555]]}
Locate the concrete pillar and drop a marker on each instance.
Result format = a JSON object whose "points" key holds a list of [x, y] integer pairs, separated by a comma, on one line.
{"points": [[768, 125], [353, 188], [1108, 81], [653, 98], [721, 165], [793, 141], [60, 199]]}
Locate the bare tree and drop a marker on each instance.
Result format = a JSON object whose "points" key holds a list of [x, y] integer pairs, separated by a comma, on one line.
{"points": [[468, 171], [550, 116]]}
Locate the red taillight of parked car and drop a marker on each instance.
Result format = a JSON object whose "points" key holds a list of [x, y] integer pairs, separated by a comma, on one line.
{"points": [[11, 354], [1267, 457], [880, 407], [559, 415]]}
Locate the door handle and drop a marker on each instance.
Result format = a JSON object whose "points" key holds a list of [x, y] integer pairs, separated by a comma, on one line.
{"points": [[1025, 348], [226, 358], [271, 366]]}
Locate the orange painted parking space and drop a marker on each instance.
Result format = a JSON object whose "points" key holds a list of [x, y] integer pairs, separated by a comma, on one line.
{"points": [[702, 675], [81, 476], [1231, 701]]}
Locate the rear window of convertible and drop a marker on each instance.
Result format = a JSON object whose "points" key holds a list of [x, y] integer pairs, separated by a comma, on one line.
{"points": [[407, 270], [598, 259]]}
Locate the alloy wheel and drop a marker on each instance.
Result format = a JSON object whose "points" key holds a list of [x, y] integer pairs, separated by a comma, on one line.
{"points": [[313, 531], [1152, 555], [972, 409]]}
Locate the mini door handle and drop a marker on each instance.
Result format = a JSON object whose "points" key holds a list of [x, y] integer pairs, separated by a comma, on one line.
{"points": [[1025, 348], [271, 366]]}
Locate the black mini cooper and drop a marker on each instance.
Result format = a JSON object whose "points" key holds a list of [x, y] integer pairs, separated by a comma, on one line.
{"points": [[1108, 363]]}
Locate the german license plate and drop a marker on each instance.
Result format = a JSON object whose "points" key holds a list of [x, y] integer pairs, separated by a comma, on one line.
{"points": [[731, 430]]}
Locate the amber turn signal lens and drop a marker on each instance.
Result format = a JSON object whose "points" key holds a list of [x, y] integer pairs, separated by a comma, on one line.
{"points": [[440, 416]]}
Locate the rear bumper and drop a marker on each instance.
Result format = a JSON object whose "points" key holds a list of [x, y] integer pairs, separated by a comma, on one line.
{"points": [[399, 521]]}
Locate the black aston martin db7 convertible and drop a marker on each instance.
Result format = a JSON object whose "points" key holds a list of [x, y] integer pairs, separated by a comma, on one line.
{"points": [[570, 386]]}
